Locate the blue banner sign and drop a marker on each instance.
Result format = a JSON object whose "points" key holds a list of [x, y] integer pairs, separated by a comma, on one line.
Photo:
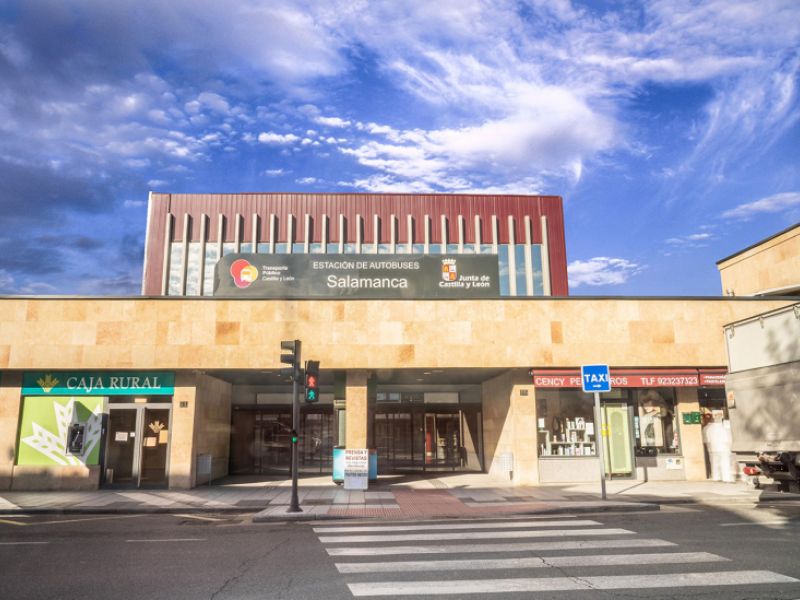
{"points": [[595, 378]]}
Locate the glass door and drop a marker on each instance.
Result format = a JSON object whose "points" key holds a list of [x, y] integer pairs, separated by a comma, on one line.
{"points": [[618, 447], [120, 466], [137, 446], [155, 440]]}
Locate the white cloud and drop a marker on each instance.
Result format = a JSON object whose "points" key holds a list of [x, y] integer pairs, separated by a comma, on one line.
{"points": [[771, 204], [306, 180], [601, 270], [278, 139], [693, 240], [273, 172], [332, 122]]}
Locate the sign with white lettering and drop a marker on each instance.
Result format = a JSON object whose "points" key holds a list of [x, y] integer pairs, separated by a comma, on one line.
{"points": [[595, 378], [356, 469], [98, 383], [357, 276], [621, 378]]}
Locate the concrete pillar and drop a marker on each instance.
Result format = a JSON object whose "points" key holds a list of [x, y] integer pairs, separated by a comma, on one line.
{"points": [[694, 461], [357, 409], [523, 414], [182, 438], [10, 403], [509, 427]]}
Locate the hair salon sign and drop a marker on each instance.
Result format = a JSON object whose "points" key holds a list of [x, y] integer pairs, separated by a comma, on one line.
{"points": [[98, 383]]}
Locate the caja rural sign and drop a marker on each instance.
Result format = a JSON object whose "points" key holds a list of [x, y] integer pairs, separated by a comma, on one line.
{"points": [[357, 276], [97, 383]]}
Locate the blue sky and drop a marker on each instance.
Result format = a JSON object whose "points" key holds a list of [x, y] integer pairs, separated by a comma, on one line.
{"points": [[670, 128]]}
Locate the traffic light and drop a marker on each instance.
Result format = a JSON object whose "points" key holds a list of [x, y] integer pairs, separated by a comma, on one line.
{"points": [[291, 356], [295, 437], [312, 380]]}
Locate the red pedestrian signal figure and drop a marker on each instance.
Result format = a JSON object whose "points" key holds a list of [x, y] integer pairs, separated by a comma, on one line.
{"points": [[312, 381]]}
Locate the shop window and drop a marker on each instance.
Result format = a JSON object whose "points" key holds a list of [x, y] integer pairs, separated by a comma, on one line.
{"points": [[565, 423], [655, 422]]}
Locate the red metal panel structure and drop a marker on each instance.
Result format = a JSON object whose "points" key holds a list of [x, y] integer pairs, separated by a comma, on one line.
{"points": [[418, 206]]}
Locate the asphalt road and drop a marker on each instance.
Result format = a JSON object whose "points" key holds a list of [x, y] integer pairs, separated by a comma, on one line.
{"points": [[734, 552]]}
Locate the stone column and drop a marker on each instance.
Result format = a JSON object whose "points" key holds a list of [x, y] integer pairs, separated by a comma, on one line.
{"points": [[523, 414], [182, 439], [357, 409], [691, 436], [10, 404]]}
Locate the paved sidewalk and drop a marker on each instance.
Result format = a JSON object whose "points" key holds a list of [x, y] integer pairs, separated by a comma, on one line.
{"points": [[397, 497]]}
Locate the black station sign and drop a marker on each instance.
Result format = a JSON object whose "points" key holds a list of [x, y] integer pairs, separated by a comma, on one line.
{"points": [[357, 276]]}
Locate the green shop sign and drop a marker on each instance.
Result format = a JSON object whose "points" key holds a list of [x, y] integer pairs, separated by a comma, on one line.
{"points": [[98, 383]]}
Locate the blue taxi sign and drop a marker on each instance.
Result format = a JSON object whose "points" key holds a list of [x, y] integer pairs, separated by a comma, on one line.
{"points": [[595, 378]]}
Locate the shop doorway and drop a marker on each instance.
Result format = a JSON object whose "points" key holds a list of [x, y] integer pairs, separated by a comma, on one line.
{"points": [[136, 446], [618, 446]]}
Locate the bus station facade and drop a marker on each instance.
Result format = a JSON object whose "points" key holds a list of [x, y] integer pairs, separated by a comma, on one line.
{"points": [[182, 385]]}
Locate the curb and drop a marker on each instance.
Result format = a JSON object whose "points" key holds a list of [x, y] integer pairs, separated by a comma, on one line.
{"points": [[563, 509], [125, 511]]}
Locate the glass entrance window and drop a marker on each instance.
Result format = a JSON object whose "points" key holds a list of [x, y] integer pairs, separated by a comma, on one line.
{"points": [[261, 440], [411, 437]]}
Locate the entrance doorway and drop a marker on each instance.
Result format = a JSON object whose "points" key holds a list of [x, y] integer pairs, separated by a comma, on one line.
{"points": [[137, 445], [618, 447]]}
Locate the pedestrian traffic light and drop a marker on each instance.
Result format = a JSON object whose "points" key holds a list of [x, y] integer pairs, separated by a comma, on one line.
{"points": [[312, 380], [291, 356], [294, 436]]}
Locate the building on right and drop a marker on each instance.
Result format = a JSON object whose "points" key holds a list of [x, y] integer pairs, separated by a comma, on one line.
{"points": [[760, 420], [770, 267]]}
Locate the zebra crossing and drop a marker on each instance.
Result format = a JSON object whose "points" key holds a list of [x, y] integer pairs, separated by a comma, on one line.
{"points": [[551, 545]]}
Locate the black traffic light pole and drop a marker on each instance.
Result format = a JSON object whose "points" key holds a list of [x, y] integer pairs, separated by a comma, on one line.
{"points": [[294, 347], [294, 504]]}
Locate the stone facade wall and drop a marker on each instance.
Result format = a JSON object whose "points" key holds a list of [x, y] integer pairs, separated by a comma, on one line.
{"points": [[200, 334], [772, 265]]}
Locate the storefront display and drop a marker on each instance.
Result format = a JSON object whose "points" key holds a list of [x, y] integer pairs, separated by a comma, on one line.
{"points": [[565, 423]]}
